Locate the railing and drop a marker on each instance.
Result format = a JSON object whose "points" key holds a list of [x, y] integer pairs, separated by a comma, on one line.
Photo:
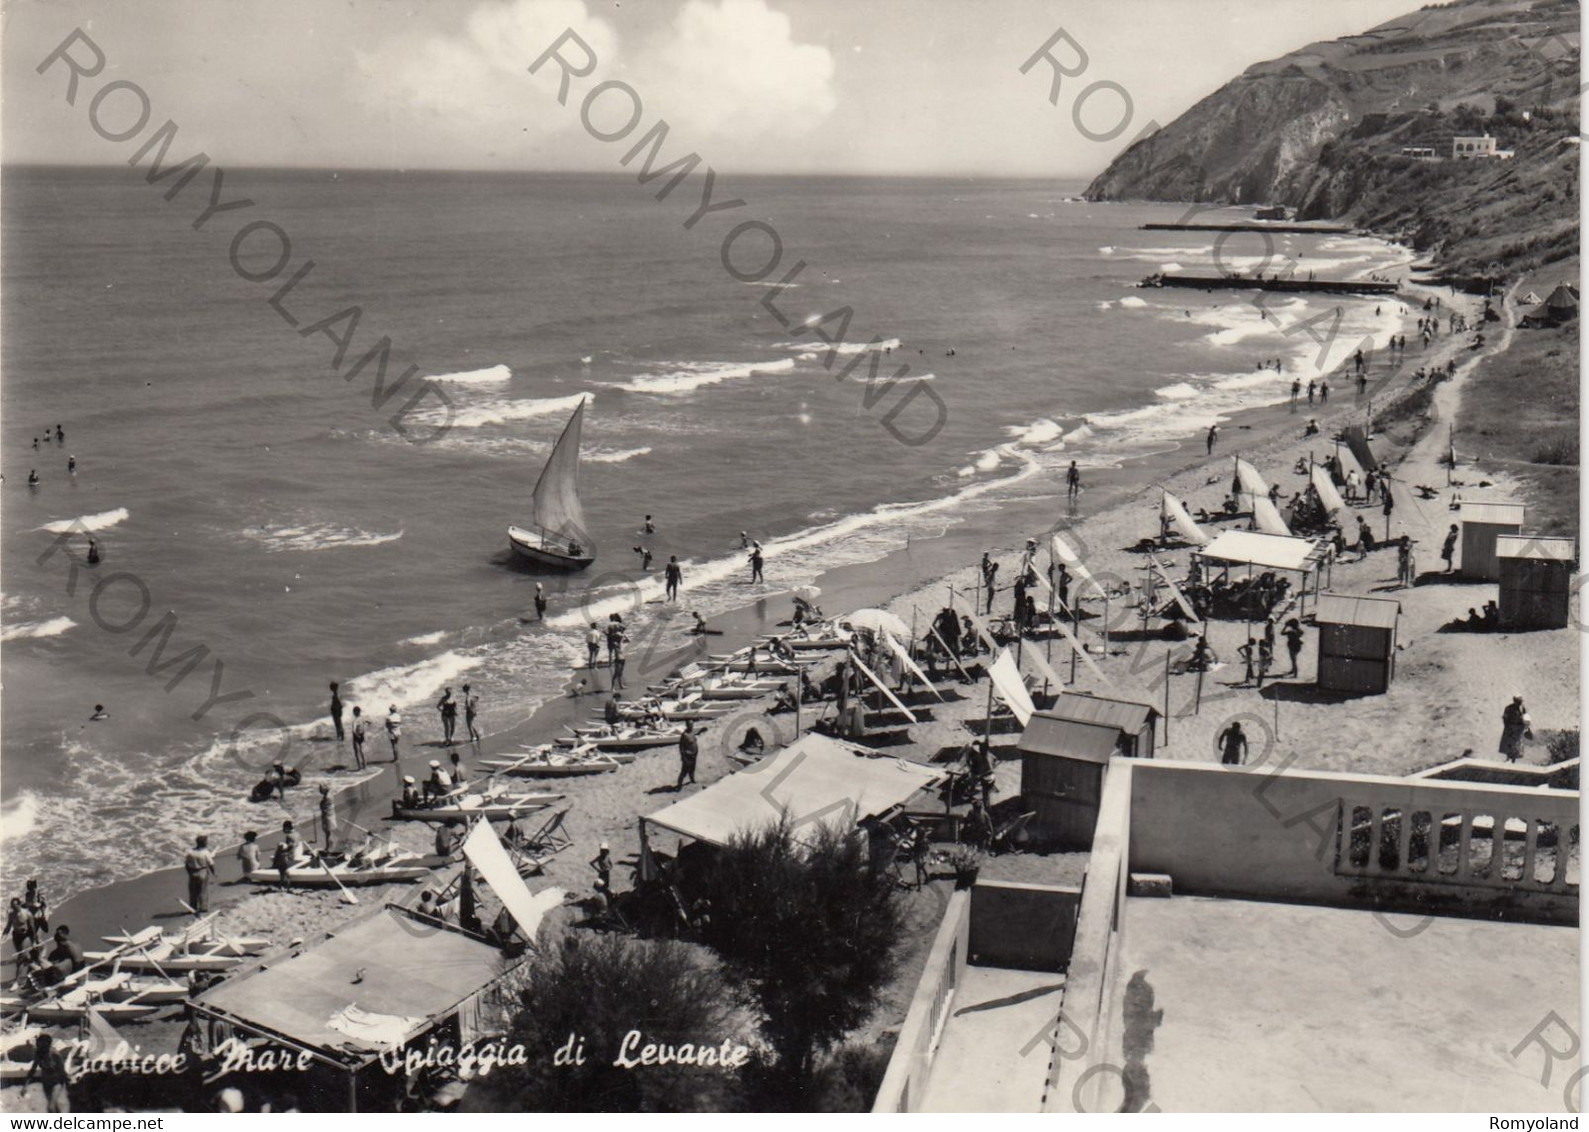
{"points": [[909, 1068], [1530, 845]]}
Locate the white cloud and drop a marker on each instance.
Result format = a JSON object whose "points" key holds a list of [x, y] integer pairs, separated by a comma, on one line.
{"points": [[727, 75], [732, 70]]}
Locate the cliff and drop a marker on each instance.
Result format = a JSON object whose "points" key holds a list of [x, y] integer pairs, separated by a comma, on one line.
{"points": [[1323, 128]]}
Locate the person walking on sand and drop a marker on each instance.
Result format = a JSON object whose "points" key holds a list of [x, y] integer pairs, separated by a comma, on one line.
{"points": [[1210, 440], [689, 750], [358, 730], [1448, 549], [540, 602], [1515, 727], [1073, 480], [593, 645], [673, 574], [336, 709], [328, 815], [1232, 745], [471, 712], [394, 728], [200, 866]]}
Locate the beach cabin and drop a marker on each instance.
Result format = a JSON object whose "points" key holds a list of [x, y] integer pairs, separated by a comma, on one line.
{"points": [[1062, 770], [1357, 643], [1482, 524], [1536, 580], [1136, 722]]}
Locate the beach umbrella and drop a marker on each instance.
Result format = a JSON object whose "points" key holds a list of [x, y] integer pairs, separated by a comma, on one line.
{"points": [[807, 593], [879, 621]]}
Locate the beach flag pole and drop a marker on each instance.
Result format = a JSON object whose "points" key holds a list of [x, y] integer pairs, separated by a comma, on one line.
{"points": [[1167, 696]]}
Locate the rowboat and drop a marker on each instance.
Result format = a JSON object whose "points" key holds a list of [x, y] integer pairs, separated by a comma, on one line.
{"points": [[169, 957], [392, 870], [71, 1005], [738, 688], [224, 945], [152, 990], [675, 709], [557, 536], [624, 738], [466, 807]]}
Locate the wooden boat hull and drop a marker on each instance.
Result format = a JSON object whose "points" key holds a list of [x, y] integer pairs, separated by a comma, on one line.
{"points": [[151, 992], [301, 877], [737, 693], [183, 963], [524, 545], [628, 743], [54, 1010], [231, 945], [493, 812]]}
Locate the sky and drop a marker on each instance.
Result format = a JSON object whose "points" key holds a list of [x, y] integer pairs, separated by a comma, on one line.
{"points": [[895, 87]]}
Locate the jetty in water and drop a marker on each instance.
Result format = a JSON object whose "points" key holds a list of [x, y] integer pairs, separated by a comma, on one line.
{"points": [[1254, 226], [1258, 283]]}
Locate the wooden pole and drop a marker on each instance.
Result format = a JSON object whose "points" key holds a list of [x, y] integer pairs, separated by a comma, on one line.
{"points": [[1167, 696], [1075, 622], [1197, 708]]}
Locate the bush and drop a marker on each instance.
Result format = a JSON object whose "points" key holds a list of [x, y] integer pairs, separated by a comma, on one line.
{"points": [[598, 988], [1563, 451], [1561, 745], [809, 932]]}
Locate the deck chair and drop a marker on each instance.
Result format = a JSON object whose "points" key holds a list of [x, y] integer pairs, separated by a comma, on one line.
{"points": [[1005, 832], [552, 837]]}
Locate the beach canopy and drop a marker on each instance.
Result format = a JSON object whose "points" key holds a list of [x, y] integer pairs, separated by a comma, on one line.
{"points": [[1531, 299], [815, 780], [1325, 487], [1182, 521], [1267, 516], [878, 621], [1254, 548], [1357, 442], [1059, 551], [373, 984], [485, 852]]}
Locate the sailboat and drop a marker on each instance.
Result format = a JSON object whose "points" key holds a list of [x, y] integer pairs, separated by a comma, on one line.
{"points": [[556, 535]]}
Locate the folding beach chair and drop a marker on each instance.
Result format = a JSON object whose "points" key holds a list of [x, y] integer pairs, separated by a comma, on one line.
{"points": [[552, 837], [1004, 835]]}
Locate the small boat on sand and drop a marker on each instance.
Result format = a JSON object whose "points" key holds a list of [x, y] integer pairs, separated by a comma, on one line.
{"points": [[72, 1004], [623, 738], [496, 806], [398, 869], [548, 762]]}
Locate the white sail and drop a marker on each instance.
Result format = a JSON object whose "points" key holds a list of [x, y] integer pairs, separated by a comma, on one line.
{"points": [[1251, 478], [1326, 489], [1268, 517], [1182, 521], [1059, 551], [554, 507]]}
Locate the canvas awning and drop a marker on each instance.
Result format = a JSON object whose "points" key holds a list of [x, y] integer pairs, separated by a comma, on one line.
{"points": [[373, 984], [1274, 552], [814, 779]]}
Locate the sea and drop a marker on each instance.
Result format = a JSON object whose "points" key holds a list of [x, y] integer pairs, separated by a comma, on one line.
{"points": [[265, 528]]}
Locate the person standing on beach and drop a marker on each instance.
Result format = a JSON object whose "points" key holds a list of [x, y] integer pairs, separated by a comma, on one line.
{"points": [[673, 574], [1073, 480], [1515, 727], [200, 866], [22, 929], [1293, 635], [1249, 655], [33, 900], [990, 577], [328, 815], [756, 561], [689, 750], [1448, 549], [248, 853], [540, 602], [1212, 438], [1311, 389], [49, 1068], [1296, 392], [358, 739], [1324, 391], [1232, 745], [1390, 503], [593, 645], [286, 854], [615, 645], [447, 707], [471, 712], [336, 709], [394, 728]]}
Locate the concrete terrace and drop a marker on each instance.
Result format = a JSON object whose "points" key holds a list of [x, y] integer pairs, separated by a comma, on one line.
{"points": [[1247, 1006], [994, 1013]]}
